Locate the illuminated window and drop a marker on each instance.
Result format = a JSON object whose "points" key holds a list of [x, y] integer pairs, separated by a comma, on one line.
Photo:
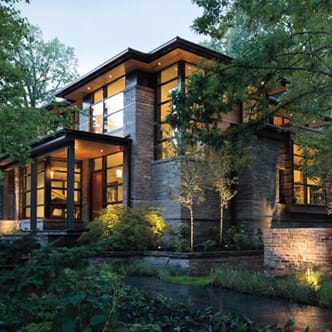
{"points": [[58, 173], [27, 191], [105, 108], [170, 79], [306, 190], [114, 179]]}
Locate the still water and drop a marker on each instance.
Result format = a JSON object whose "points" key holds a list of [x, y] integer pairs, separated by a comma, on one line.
{"points": [[263, 310]]}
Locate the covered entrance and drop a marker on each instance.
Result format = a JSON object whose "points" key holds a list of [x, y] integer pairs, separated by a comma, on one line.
{"points": [[69, 181]]}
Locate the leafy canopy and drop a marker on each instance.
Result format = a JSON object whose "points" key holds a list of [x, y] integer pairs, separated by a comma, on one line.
{"points": [[23, 57], [287, 48]]}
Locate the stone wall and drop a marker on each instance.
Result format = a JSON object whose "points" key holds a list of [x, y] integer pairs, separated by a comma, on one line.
{"points": [[193, 263], [139, 126], [296, 249], [166, 183]]}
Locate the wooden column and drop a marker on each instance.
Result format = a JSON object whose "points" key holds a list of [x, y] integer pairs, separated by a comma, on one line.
{"points": [[70, 185], [33, 212]]}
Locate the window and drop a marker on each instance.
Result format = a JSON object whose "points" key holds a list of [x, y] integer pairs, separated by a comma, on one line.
{"points": [[170, 79], [105, 109], [27, 191], [114, 179], [306, 190], [58, 186]]}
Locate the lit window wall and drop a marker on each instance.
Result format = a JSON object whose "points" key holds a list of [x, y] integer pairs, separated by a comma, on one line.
{"points": [[306, 190]]}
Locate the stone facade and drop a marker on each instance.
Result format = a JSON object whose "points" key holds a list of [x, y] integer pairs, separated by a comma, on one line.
{"points": [[296, 249], [139, 126]]}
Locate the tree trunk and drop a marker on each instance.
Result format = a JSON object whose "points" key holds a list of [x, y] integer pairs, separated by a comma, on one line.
{"points": [[221, 224], [191, 230]]}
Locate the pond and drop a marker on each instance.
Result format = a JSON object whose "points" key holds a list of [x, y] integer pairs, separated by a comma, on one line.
{"points": [[263, 310]]}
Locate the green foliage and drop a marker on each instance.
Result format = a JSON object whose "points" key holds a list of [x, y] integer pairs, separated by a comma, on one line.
{"points": [[238, 237], [121, 228], [46, 66], [285, 44], [30, 70], [209, 245], [18, 251]]}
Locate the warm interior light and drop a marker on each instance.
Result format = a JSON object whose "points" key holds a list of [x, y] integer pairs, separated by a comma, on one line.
{"points": [[118, 173], [52, 174], [89, 88]]}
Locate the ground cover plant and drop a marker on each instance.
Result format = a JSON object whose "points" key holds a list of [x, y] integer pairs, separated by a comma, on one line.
{"points": [[308, 287], [58, 290]]}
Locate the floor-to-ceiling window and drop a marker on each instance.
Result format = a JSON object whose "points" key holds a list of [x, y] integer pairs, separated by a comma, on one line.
{"points": [[58, 173], [103, 109], [170, 79], [306, 190], [106, 182]]}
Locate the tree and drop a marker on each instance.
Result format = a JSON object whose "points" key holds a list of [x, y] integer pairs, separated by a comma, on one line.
{"points": [[46, 66], [289, 47], [20, 123], [222, 167], [283, 64], [190, 191]]}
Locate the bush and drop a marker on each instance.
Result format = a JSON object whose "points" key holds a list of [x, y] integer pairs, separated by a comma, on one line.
{"points": [[238, 237], [121, 228]]}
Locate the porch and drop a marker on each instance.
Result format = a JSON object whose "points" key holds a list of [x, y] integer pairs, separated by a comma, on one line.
{"points": [[72, 176]]}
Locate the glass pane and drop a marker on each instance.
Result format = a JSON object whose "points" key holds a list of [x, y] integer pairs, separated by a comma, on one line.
{"points": [[97, 164], [114, 159], [190, 69], [116, 86], [97, 116], [28, 170], [112, 175], [313, 181], [115, 121], [167, 89], [27, 212], [40, 211], [167, 149], [27, 199], [166, 131], [164, 111], [40, 180], [115, 103], [169, 73], [298, 161], [298, 176], [114, 194], [28, 182], [58, 195], [297, 149], [299, 194], [98, 96], [40, 196], [315, 196], [77, 196]]}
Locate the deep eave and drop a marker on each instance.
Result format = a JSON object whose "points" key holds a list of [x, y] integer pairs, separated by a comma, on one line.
{"points": [[49, 143], [132, 54]]}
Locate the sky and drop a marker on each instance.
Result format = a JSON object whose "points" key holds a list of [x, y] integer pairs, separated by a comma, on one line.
{"points": [[100, 29]]}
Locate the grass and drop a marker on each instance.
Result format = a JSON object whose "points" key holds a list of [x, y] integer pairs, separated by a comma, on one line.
{"points": [[310, 287]]}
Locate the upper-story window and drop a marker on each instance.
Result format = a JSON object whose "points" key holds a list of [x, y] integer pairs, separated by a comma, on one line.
{"points": [[170, 79], [104, 109], [306, 190]]}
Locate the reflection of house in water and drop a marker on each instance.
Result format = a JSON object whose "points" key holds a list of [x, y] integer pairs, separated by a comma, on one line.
{"points": [[119, 151]]}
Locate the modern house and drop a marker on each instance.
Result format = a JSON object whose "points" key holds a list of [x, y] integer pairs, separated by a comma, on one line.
{"points": [[117, 152]]}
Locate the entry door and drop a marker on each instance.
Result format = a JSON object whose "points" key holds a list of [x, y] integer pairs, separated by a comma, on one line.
{"points": [[97, 193]]}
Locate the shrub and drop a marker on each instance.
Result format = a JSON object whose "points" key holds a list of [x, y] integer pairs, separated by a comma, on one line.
{"points": [[120, 228], [238, 237]]}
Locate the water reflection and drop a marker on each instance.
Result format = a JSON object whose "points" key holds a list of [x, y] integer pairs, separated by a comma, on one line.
{"points": [[262, 310]]}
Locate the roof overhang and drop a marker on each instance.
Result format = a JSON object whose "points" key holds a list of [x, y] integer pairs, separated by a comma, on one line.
{"points": [[130, 60], [87, 146]]}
